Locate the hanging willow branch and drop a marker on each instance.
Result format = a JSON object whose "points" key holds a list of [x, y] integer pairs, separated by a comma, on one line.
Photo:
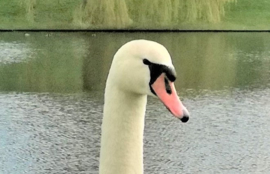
{"points": [[146, 13], [29, 6], [109, 14]]}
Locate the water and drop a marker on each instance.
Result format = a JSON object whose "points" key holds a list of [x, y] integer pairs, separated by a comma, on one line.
{"points": [[51, 98]]}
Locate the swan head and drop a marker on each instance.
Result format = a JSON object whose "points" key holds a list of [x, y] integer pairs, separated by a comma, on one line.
{"points": [[145, 67]]}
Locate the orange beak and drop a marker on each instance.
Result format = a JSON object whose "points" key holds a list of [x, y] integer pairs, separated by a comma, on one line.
{"points": [[170, 98]]}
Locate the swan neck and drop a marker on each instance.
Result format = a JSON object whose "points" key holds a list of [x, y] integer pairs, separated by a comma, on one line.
{"points": [[122, 133]]}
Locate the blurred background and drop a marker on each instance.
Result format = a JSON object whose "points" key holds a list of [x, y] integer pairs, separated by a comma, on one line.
{"points": [[52, 84], [135, 14]]}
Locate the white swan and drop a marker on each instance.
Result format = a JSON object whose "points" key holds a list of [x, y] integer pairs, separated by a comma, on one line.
{"points": [[139, 68]]}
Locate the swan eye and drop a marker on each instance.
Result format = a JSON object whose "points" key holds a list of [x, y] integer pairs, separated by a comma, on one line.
{"points": [[156, 70]]}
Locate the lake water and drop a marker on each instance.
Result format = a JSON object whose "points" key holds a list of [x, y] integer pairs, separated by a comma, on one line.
{"points": [[51, 99]]}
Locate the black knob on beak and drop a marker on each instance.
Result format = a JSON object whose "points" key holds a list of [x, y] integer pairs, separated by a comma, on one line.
{"points": [[184, 119]]}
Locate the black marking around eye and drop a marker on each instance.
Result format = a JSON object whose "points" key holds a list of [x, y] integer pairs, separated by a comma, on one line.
{"points": [[156, 70], [146, 62]]}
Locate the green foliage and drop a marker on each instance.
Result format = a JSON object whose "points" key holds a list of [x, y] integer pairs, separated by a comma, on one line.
{"points": [[175, 11], [148, 13], [249, 14], [143, 14], [37, 14], [102, 13], [10, 8]]}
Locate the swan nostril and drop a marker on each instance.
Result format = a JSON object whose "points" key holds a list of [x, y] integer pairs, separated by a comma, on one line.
{"points": [[184, 119], [167, 86]]}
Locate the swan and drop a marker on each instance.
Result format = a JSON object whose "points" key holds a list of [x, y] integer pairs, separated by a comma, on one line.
{"points": [[139, 68]]}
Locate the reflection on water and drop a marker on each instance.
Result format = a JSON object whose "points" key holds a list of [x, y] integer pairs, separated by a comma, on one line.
{"points": [[51, 96], [20, 52], [80, 61]]}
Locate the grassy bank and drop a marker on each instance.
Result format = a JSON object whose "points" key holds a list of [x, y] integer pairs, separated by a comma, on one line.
{"points": [[48, 14], [248, 14], [63, 14]]}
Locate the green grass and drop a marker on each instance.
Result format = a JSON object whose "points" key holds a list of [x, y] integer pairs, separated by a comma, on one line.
{"points": [[59, 14], [249, 14], [48, 14]]}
